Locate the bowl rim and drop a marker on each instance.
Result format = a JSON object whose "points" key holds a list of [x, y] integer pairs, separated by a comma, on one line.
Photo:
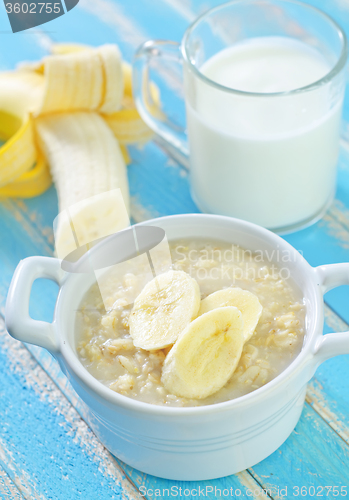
{"points": [[110, 397]]}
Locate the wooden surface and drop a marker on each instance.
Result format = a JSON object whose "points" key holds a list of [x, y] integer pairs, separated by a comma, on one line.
{"points": [[47, 451]]}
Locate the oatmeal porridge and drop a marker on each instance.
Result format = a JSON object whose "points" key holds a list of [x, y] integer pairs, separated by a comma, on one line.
{"points": [[272, 332]]}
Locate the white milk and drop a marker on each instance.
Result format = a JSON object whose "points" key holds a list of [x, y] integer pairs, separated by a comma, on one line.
{"points": [[267, 159]]}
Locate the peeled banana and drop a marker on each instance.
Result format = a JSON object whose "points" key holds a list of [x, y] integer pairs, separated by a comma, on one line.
{"points": [[77, 106], [205, 355], [126, 123], [83, 80], [244, 300], [85, 160], [163, 309]]}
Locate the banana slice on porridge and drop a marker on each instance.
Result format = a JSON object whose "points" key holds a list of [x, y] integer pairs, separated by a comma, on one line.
{"points": [[205, 355], [163, 309], [245, 301]]}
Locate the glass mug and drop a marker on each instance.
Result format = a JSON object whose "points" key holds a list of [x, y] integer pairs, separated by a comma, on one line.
{"points": [[266, 157]]}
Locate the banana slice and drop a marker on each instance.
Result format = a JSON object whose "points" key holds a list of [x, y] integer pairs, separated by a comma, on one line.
{"points": [[245, 301], [163, 309], [83, 80], [206, 354]]}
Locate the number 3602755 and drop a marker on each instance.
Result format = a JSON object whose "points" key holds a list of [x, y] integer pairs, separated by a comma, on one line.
{"points": [[33, 8]]}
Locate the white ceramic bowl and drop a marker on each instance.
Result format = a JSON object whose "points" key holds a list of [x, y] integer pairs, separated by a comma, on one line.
{"points": [[185, 443]]}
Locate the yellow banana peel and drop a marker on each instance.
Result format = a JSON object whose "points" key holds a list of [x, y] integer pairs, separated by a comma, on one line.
{"points": [[76, 145], [23, 172], [18, 154], [32, 183], [127, 125], [74, 79]]}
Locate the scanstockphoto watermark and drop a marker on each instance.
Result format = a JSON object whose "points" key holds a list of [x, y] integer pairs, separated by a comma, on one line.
{"points": [[208, 491], [274, 491]]}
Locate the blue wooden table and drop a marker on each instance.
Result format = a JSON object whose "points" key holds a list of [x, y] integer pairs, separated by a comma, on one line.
{"points": [[47, 450]]}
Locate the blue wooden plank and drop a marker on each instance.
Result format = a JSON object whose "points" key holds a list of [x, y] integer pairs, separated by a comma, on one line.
{"points": [[23, 47], [159, 183], [238, 485], [8, 490], [328, 390], [154, 18], [328, 240], [45, 447], [319, 459], [313, 455], [12, 249]]}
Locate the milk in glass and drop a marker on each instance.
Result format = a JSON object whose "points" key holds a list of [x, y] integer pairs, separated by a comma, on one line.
{"points": [[257, 155]]}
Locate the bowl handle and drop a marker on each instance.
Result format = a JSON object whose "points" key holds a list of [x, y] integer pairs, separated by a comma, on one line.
{"points": [[333, 344], [18, 322]]}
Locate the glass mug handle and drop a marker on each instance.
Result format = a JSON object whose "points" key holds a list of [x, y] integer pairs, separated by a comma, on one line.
{"points": [[175, 139]]}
